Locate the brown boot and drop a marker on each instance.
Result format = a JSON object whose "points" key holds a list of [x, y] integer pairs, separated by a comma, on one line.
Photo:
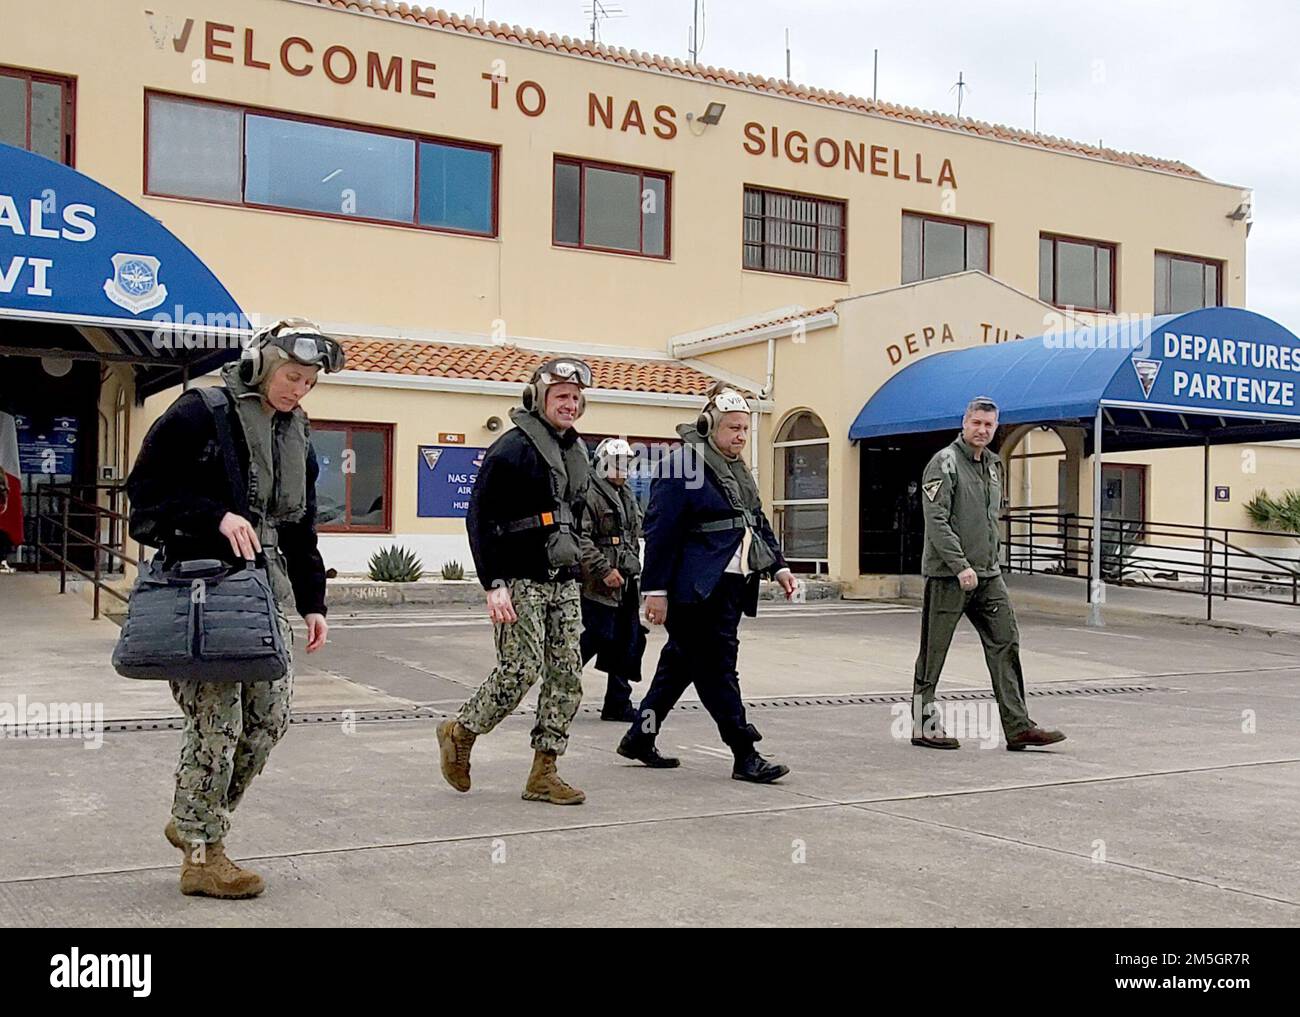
{"points": [[173, 836], [217, 876], [454, 743], [545, 785]]}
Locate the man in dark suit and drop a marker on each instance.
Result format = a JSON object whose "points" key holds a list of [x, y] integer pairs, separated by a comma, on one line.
{"points": [[707, 543]]}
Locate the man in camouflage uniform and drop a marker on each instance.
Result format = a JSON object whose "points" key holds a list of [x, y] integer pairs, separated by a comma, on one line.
{"points": [[962, 498], [524, 521], [190, 498]]}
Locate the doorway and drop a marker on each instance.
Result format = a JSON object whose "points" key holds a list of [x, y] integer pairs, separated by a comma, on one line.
{"points": [[891, 527]]}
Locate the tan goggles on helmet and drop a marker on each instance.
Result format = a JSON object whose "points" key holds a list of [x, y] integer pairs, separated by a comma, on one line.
{"points": [[556, 372], [311, 350]]}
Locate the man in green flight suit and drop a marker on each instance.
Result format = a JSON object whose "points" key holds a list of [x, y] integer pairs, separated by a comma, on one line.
{"points": [[961, 498]]}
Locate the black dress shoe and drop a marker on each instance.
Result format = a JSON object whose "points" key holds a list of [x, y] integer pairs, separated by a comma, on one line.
{"points": [[625, 713], [1033, 736], [756, 769], [644, 751]]}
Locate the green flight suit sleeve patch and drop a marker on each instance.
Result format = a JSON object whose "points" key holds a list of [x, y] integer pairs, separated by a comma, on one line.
{"points": [[931, 488]]}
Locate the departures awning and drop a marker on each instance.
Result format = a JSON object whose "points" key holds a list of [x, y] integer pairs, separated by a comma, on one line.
{"points": [[73, 252], [1218, 375]]}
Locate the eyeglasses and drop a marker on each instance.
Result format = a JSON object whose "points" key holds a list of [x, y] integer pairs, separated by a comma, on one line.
{"points": [[557, 371]]}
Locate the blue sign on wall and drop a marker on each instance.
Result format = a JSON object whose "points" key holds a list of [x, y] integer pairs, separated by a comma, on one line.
{"points": [[446, 478], [49, 451]]}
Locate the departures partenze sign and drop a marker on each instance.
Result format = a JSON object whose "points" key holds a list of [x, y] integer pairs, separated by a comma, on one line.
{"points": [[256, 51], [1219, 359]]}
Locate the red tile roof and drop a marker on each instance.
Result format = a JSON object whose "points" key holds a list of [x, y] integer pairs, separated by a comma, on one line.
{"points": [[510, 363], [440, 19], [768, 323]]}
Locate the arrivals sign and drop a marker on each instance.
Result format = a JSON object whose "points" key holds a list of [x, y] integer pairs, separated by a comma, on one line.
{"points": [[70, 246]]}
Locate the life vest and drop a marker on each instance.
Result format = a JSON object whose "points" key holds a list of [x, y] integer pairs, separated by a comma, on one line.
{"points": [[570, 473], [737, 485]]}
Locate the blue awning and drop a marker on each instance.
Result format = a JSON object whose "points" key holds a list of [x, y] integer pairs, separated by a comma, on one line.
{"points": [[74, 253], [1220, 373]]}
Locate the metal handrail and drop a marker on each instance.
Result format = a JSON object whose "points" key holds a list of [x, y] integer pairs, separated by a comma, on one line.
{"points": [[1075, 532], [69, 537]]}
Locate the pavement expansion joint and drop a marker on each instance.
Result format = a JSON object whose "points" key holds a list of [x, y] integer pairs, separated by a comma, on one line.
{"points": [[424, 713], [1080, 855]]}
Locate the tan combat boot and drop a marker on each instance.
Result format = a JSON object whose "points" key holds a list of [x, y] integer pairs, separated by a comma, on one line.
{"points": [[454, 744], [173, 836], [545, 785], [217, 876]]}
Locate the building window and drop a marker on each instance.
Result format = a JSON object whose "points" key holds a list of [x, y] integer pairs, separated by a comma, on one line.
{"points": [[794, 234], [1184, 283], [801, 509], [933, 246], [1077, 273], [611, 208], [217, 152], [354, 488], [36, 113]]}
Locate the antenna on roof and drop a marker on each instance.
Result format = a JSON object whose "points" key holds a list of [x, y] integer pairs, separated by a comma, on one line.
{"points": [[875, 70], [598, 11], [787, 55], [960, 88], [695, 38], [1035, 96]]}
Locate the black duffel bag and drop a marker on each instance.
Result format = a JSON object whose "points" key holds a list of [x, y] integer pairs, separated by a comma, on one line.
{"points": [[204, 621]]}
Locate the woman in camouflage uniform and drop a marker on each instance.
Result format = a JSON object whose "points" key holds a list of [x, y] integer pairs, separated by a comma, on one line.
{"points": [[182, 502]]}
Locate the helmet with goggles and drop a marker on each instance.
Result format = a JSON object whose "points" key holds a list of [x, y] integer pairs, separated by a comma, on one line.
{"points": [[558, 371], [298, 340]]}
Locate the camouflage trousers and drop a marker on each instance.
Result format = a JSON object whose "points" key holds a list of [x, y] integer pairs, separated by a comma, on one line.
{"points": [[543, 643], [230, 728]]}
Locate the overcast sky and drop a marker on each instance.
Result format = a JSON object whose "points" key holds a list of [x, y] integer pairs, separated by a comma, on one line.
{"points": [[1212, 84]]}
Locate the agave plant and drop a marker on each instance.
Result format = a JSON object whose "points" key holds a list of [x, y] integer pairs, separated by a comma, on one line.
{"points": [[395, 565], [453, 570]]}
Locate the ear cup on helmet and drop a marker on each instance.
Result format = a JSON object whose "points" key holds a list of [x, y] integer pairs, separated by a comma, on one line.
{"points": [[250, 366], [704, 423], [530, 396]]}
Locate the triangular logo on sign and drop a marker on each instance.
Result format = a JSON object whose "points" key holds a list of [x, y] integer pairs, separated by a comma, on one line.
{"points": [[1146, 372], [431, 456]]}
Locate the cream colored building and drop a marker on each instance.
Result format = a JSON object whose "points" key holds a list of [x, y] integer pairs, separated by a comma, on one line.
{"points": [[459, 200]]}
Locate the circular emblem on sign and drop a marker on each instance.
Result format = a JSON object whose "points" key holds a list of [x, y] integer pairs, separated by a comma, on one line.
{"points": [[137, 277]]}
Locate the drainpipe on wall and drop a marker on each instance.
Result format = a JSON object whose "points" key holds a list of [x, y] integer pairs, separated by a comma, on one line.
{"points": [[753, 417]]}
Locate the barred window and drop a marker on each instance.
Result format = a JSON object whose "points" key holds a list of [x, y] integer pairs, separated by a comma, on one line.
{"points": [[794, 234]]}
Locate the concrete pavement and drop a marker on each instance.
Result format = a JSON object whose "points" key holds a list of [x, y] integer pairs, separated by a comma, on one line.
{"points": [[1175, 800]]}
